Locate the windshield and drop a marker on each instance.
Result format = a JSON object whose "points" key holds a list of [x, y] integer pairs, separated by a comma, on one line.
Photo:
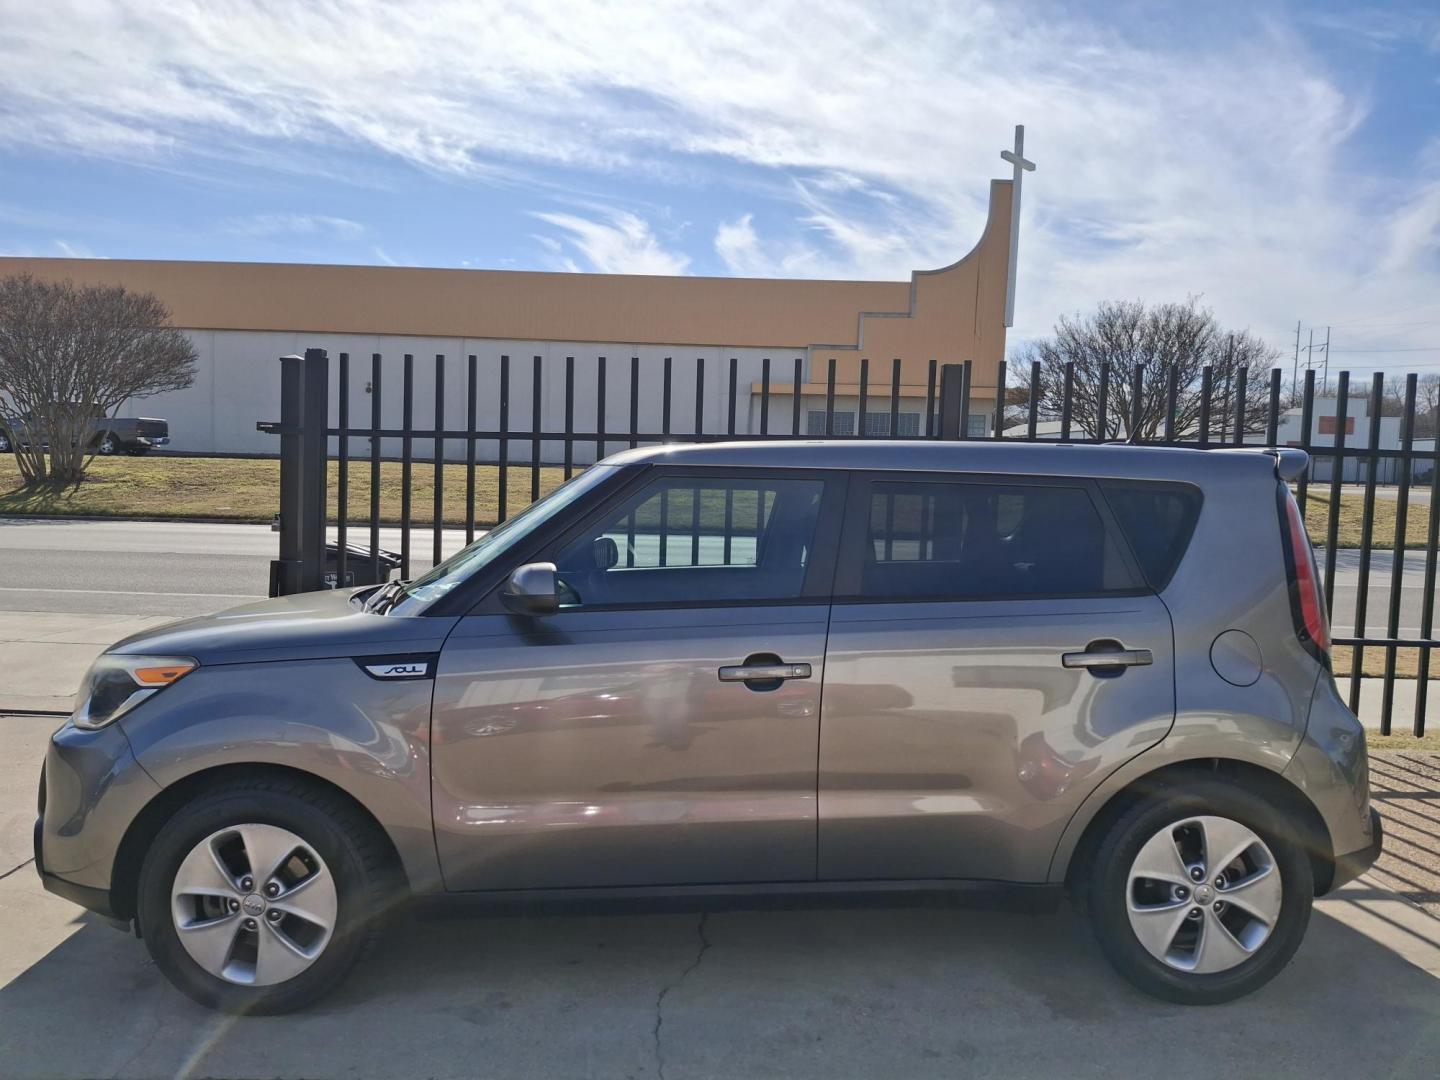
{"points": [[412, 597]]}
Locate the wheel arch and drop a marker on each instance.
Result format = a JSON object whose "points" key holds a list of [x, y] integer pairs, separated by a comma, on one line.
{"points": [[142, 831], [1073, 860]]}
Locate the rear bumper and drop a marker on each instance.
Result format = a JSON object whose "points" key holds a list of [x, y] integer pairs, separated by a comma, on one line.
{"points": [[1349, 867]]}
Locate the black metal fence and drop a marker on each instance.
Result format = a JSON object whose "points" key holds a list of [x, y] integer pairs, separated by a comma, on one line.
{"points": [[540, 428]]}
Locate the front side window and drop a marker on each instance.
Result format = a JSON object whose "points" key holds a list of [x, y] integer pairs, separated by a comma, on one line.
{"points": [[415, 596], [979, 541], [687, 540]]}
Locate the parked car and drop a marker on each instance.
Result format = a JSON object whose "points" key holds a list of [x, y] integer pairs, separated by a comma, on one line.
{"points": [[107, 434], [1101, 670]]}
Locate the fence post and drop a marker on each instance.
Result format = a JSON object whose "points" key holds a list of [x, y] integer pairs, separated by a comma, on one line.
{"points": [[952, 404], [304, 410]]}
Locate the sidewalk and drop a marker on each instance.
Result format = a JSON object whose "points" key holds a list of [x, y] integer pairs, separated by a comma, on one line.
{"points": [[43, 655]]}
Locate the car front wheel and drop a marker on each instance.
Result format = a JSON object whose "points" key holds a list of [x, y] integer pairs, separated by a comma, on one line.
{"points": [[1201, 894], [259, 898]]}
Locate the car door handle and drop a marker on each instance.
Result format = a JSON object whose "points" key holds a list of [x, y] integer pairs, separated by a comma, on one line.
{"points": [[764, 672], [1109, 658]]}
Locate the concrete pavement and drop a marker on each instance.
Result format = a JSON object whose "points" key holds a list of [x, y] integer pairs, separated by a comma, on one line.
{"points": [[68, 588], [835, 991]]}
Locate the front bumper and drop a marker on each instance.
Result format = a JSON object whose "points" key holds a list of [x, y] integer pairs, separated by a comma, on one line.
{"points": [[91, 790], [1349, 867], [92, 899]]}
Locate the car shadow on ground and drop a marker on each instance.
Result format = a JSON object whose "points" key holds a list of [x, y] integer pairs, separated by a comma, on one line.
{"points": [[847, 990]]}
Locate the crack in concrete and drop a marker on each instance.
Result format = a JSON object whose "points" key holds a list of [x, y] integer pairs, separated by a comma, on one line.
{"points": [[16, 869], [157, 1025], [665, 991]]}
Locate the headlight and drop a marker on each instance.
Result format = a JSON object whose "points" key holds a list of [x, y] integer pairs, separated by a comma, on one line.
{"points": [[115, 684]]}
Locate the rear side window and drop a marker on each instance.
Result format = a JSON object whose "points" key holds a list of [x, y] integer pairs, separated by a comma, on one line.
{"points": [[1157, 520], [986, 541]]}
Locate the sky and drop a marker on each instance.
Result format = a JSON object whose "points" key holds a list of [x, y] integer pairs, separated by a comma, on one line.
{"points": [[1279, 160]]}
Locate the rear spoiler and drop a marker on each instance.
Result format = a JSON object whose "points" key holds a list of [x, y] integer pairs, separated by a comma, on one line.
{"points": [[1290, 463]]}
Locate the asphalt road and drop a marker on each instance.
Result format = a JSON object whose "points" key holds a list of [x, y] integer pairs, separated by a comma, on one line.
{"points": [[181, 569], [150, 567]]}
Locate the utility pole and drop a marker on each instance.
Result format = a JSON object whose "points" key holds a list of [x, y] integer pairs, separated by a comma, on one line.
{"points": [[1310, 351], [1326, 381], [1295, 371], [1229, 375]]}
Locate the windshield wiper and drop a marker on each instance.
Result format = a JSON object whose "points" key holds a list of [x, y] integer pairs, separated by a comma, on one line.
{"points": [[386, 597]]}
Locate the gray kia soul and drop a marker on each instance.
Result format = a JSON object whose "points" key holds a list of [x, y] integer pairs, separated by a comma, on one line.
{"points": [[759, 668]]}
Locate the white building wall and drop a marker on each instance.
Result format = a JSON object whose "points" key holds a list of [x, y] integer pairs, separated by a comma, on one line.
{"points": [[238, 383], [1291, 432]]}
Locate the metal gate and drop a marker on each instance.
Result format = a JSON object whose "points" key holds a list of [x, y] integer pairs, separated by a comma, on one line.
{"points": [[526, 447]]}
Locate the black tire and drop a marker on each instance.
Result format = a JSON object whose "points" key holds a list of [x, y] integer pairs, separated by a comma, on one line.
{"points": [[1105, 892], [352, 847], [108, 445], [137, 451]]}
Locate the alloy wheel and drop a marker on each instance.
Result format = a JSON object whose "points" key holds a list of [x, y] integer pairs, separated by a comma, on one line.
{"points": [[1203, 894], [254, 904]]}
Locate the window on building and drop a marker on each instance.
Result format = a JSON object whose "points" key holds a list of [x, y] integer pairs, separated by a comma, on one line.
{"points": [[877, 423], [689, 540], [977, 426], [841, 423], [978, 541]]}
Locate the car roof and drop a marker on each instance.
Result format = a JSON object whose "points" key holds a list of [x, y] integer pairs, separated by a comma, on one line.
{"points": [[965, 455]]}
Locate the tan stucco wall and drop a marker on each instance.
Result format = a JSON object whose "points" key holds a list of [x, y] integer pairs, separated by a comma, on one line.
{"points": [[950, 315]]}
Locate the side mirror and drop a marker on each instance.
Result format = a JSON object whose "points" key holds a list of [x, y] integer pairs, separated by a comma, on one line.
{"points": [[531, 590], [605, 552]]}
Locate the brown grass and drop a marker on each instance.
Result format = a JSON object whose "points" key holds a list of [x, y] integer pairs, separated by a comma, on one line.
{"points": [[1428, 742], [1350, 519], [1372, 660], [248, 489]]}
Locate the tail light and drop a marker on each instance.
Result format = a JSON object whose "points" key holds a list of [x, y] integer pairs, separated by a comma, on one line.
{"points": [[1307, 602]]}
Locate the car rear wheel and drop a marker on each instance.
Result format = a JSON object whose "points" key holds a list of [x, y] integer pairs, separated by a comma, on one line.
{"points": [[260, 897], [1202, 894], [109, 444], [4, 443]]}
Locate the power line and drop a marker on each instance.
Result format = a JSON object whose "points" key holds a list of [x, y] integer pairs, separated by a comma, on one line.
{"points": [[1367, 352]]}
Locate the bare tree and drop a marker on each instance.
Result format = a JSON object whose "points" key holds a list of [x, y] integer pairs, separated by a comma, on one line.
{"points": [[70, 353], [1123, 337], [1427, 405]]}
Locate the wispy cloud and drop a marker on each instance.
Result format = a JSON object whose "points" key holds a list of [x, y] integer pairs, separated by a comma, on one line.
{"points": [[295, 225], [1170, 163], [1382, 27], [75, 250], [616, 242]]}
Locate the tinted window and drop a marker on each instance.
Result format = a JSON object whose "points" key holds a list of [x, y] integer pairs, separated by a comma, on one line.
{"points": [[1157, 520], [686, 540], [986, 540]]}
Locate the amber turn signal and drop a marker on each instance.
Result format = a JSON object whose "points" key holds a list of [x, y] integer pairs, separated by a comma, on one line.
{"points": [[161, 676]]}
